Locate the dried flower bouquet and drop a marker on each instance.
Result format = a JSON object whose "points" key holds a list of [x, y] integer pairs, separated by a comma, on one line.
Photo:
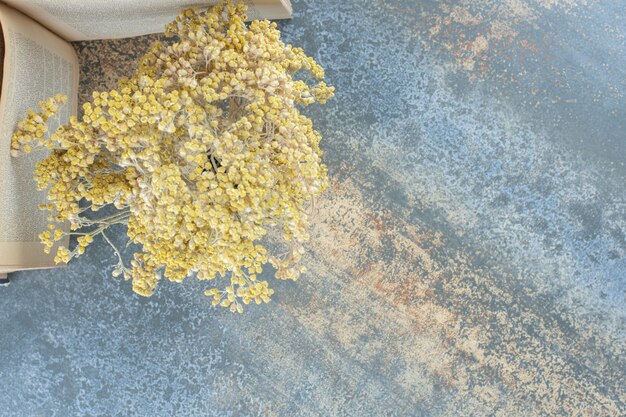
{"points": [[201, 153]]}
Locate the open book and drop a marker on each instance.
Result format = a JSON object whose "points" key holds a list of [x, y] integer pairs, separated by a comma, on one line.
{"points": [[39, 62]]}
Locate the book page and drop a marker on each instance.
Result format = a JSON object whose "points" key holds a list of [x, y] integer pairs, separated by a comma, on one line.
{"points": [[98, 19], [37, 65]]}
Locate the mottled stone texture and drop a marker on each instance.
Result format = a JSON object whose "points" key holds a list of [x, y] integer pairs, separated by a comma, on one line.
{"points": [[468, 259]]}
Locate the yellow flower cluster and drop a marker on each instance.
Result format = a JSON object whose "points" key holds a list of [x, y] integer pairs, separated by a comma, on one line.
{"points": [[31, 132], [201, 152]]}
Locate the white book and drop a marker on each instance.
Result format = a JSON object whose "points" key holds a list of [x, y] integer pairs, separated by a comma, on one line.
{"points": [[39, 62]]}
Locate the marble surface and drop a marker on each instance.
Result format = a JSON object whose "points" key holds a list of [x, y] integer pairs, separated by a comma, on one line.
{"points": [[469, 258]]}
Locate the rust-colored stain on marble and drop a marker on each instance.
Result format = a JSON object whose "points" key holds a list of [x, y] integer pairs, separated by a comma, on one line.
{"points": [[476, 32], [474, 337]]}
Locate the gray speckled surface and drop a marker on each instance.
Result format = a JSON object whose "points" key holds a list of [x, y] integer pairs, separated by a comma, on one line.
{"points": [[468, 259]]}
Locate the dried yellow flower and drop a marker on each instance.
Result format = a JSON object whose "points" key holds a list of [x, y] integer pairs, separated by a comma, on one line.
{"points": [[201, 152]]}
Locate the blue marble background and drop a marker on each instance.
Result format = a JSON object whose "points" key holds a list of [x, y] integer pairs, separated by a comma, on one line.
{"points": [[469, 258]]}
